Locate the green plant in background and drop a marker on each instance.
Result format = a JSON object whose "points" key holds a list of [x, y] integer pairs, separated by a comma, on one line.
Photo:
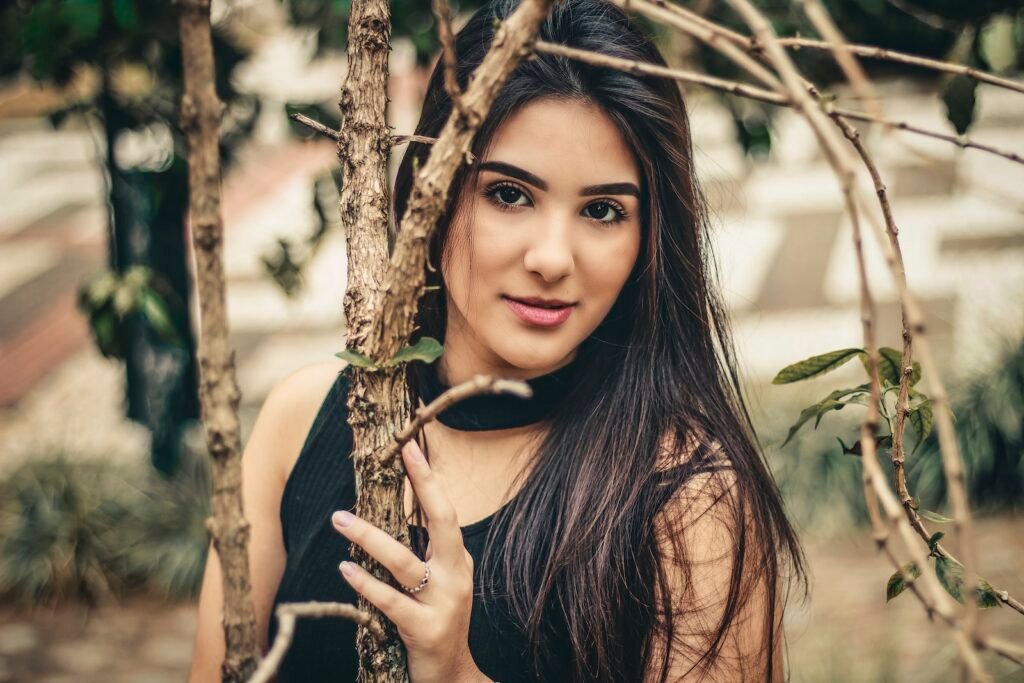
{"points": [[112, 299], [93, 531], [124, 60], [995, 426]]}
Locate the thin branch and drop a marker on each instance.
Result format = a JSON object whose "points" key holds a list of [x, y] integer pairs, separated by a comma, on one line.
{"points": [[329, 132], [705, 31], [847, 62], [872, 52], [288, 613], [761, 94], [480, 384], [952, 462], [201, 114], [443, 14]]}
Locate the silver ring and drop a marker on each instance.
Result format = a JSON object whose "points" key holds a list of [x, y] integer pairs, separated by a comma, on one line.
{"points": [[423, 581]]}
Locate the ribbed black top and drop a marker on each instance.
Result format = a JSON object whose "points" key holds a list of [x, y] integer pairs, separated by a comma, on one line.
{"points": [[322, 481]]}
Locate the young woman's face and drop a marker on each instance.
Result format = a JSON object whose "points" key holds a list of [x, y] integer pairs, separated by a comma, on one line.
{"points": [[542, 244]]}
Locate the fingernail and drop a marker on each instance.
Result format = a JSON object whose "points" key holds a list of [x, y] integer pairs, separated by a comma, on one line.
{"points": [[347, 568], [415, 454], [342, 518]]}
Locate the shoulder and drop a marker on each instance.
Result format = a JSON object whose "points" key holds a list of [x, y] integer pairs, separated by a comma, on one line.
{"points": [[287, 415]]}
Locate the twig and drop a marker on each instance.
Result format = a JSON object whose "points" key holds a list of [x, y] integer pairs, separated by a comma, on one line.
{"points": [[315, 126], [872, 52], [847, 62], [327, 131], [761, 94], [443, 14], [480, 384], [288, 613], [952, 463], [705, 31]]}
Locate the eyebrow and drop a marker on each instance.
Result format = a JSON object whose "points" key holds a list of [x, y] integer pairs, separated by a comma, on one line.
{"points": [[527, 177]]}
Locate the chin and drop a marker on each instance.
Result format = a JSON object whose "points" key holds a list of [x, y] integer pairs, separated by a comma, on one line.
{"points": [[533, 357]]}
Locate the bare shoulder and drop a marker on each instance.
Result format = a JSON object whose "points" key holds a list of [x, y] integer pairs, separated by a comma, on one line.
{"points": [[288, 413]]}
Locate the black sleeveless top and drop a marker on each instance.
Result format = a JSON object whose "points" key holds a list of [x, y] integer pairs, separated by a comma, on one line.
{"points": [[323, 481]]}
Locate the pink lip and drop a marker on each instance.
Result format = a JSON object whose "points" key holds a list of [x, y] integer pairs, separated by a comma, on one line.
{"points": [[537, 315]]}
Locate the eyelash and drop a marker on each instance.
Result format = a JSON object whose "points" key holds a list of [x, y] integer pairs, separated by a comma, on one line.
{"points": [[491, 193]]}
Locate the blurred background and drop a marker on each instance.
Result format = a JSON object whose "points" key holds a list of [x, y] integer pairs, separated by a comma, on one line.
{"points": [[103, 480]]}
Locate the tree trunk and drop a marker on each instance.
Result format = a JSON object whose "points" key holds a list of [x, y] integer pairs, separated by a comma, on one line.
{"points": [[201, 112]]}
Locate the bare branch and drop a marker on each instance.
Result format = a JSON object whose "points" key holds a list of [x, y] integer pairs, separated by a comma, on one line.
{"points": [[872, 52], [288, 613], [763, 95], [705, 31], [480, 384], [329, 132], [443, 14], [201, 112], [849, 64]]}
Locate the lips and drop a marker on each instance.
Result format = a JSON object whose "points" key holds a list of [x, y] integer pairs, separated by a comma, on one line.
{"points": [[541, 312]]}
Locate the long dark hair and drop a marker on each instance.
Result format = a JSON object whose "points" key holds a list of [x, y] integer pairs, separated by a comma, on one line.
{"points": [[583, 563]]}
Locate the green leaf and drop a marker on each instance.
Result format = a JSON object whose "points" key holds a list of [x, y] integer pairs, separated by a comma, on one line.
{"points": [[97, 291], [805, 415], [987, 596], [125, 299], [933, 516], [951, 576], [934, 540], [921, 419], [427, 349], [959, 97], [356, 359], [896, 584], [890, 364], [881, 442], [155, 311], [814, 366]]}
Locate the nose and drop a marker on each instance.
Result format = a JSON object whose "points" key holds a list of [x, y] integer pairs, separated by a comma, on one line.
{"points": [[550, 252]]}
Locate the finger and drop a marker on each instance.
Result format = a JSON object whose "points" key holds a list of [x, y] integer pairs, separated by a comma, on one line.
{"points": [[396, 558], [400, 608], [442, 523]]}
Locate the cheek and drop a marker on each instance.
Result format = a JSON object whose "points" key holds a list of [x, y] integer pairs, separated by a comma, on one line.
{"points": [[609, 264]]}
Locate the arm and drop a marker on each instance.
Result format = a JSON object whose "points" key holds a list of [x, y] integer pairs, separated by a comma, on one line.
{"points": [[698, 533], [271, 451]]}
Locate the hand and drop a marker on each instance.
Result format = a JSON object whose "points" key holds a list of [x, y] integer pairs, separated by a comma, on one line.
{"points": [[433, 622]]}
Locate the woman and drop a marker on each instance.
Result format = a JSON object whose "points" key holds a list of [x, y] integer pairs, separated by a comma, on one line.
{"points": [[621, 525]]}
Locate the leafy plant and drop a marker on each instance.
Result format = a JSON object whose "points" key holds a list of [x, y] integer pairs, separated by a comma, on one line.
{"points": [[112, 299], [93, 531], [889, 370]]}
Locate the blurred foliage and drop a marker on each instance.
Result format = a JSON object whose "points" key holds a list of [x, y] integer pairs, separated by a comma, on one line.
{"points": [[988, 34], [989, 422], [124, 59], [990, 431], [92, 531], [412, 19], [111, 299]]}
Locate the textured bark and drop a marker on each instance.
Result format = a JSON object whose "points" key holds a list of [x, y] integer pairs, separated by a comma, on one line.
{"points": [[380, 319], [376, 402], [201, 112]]}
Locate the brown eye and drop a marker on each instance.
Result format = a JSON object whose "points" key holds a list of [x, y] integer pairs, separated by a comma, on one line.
{"points": [[506, 195], [604, 212]]}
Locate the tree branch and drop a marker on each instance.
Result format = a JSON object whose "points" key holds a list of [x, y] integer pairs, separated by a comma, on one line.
{"points": [[288, 613], [201, 112]]}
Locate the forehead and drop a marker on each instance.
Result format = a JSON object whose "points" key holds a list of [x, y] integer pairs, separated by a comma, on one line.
{"points": [[565, 142]]}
